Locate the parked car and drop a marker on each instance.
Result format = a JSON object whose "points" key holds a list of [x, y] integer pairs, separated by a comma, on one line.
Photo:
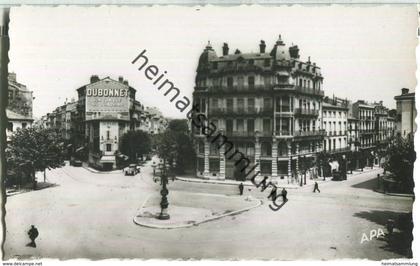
{"points": [[131, 170], [77, 163]]}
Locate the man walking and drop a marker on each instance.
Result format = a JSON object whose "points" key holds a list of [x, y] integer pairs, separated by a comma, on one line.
{"points": [[284, 194], [316, 187], [33, 234], [241, 189]]}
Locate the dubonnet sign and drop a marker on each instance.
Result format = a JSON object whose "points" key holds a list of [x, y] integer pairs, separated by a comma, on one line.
{"points": [[110, 99]]}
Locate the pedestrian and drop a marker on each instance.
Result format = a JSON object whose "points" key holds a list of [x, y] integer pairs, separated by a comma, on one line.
{"points": [[284, 194], [316, 187], [241, 189], [33, 234]]}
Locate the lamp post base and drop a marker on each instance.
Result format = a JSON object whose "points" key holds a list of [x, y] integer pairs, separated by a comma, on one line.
{"points": [[163, 215]]}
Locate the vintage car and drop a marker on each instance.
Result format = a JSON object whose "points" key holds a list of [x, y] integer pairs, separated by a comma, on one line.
{"points": [[77, 163], [131, 170]]}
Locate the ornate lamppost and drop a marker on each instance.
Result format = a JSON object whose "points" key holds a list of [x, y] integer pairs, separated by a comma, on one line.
{"points": [[163, 215]]}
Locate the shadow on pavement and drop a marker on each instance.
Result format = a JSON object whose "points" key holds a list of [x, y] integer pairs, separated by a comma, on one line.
{"points": [[400, 240], [370, 184]]}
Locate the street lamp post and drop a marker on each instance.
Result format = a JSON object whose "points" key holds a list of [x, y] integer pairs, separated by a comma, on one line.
{"points": [[163, 215]]}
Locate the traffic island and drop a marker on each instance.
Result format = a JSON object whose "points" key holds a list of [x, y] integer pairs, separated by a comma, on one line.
{"points": [[191, 209]]}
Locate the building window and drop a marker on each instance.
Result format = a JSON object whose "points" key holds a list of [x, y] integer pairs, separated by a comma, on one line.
{"points": [[251, 61], [10, 126], [214, 65], [214, 148], [229, 105], [250, 125], [203, 105], [266, 125], [251, 104], [251, 81], [240, 125], [107, 135], [230, 82], [201, 147], [267, 62], [24, 125], [108, 147], [266, 149], [265, 167], [240, 105], [214, 165]]}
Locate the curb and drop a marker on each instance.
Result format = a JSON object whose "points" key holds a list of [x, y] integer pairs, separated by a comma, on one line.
{"points": [[101, 172], [218, 182], [30, 190], [196, 223], [394, 194]]}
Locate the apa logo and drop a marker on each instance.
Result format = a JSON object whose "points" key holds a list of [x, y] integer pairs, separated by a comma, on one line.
{"points": [[373, 233]]}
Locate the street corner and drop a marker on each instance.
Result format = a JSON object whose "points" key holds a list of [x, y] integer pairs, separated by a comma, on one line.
{"points": [[191, 209]]}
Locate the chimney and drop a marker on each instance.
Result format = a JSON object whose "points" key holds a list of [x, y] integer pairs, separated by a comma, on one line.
{"points": [[404, 91], [125, 82], [262, 47], [237, 51], [94, 78], [294, 51], [120, 79], [225, 49]]}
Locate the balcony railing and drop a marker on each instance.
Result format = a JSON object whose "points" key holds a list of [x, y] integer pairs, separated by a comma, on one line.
{"points": [[240, 133], [306, 112], [309, 133], [283, 133], [241, 111], [309, 91], [266, 87]]}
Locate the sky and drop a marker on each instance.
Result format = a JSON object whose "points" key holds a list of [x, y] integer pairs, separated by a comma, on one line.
{"points": [[365, 52]]}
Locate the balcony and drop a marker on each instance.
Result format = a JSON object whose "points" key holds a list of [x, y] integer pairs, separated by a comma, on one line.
{"points": [[284, 133], [240, 133], [306, 112], [309, 133], [309, 91], [241, 111], [259, 88]]}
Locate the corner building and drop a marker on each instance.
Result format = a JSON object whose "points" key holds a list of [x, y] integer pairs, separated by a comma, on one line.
{"points": [[268, 104]]}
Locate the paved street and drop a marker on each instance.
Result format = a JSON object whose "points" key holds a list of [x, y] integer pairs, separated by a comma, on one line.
{"points": [[90, 215]]}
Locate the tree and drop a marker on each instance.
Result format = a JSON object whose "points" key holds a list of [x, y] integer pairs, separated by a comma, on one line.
{"points": [[400, 162], [134, 144], [35, 149], [175, 146]]}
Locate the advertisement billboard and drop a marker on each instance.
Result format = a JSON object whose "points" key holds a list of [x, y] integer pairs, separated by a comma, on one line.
{"points": [[107, 99]]}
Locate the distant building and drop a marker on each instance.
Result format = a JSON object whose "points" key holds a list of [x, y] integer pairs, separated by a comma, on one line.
{"points": [[364, 113], [105, 110], [19, 108], [406, 113], [334, 118], [353, 138]]}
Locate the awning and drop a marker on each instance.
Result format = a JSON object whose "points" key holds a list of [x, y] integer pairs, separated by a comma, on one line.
{"points": [[80, 149], [69, 145]]}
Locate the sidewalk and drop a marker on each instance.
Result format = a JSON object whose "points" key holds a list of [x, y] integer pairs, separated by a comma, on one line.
{"points": [[28, 188], [234, 182], [279, 183]]}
